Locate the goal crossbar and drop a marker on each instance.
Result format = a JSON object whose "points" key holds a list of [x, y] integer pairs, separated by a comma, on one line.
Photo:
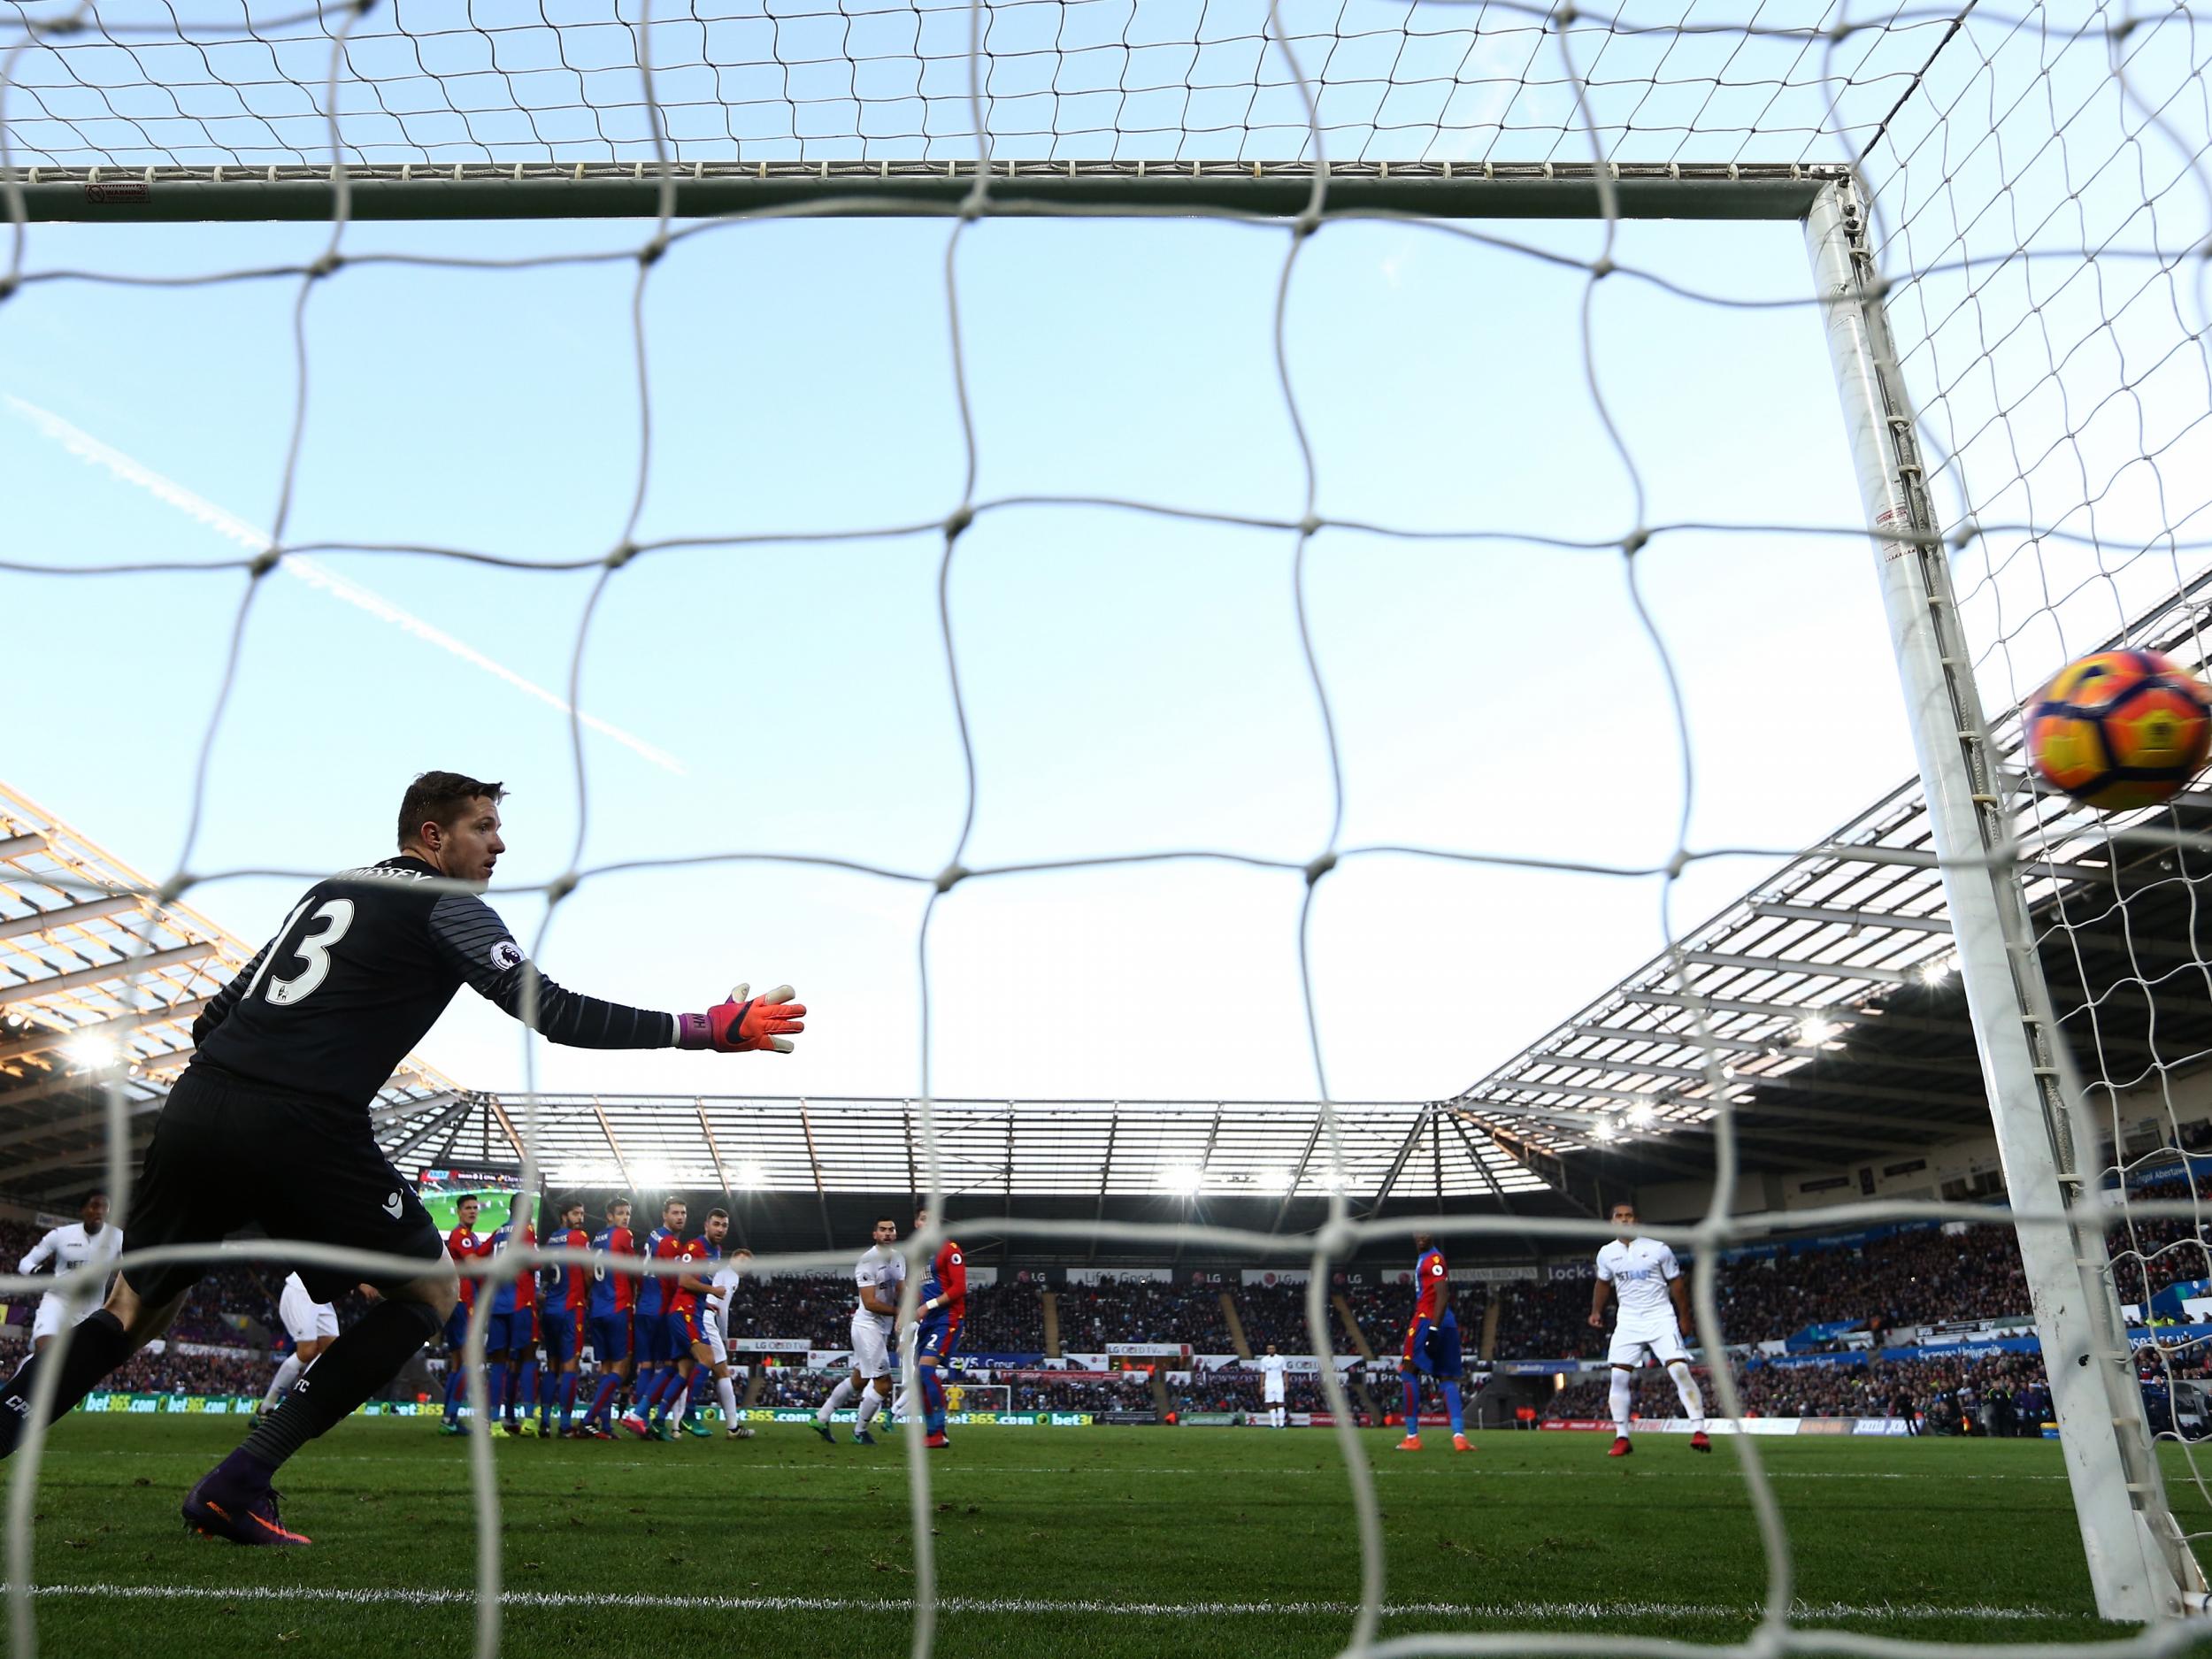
{"points": [[707, 190]]}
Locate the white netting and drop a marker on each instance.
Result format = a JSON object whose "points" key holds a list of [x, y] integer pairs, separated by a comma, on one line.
{"points": [[2039, 201]]}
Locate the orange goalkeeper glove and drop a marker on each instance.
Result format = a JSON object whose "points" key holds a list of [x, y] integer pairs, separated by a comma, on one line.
{"points": [[743, 1024]]}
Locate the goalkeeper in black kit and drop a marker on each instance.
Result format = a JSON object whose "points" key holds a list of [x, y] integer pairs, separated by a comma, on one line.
{"points": [[270, 1124]]}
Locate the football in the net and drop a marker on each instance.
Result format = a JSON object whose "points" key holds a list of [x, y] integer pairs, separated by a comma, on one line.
{"points": [[2120, 729]]}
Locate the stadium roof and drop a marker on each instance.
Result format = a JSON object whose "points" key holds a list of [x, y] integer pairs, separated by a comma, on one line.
{"points": [[1828, 989], [1267, 1149], [809, 1173], [100, 981]]}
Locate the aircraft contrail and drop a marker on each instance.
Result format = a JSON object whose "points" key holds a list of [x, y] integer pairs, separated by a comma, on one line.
{"points": [[228, 525]]}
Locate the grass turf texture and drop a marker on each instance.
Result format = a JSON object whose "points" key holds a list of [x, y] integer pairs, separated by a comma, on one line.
{"points": [[1541, 1530]]}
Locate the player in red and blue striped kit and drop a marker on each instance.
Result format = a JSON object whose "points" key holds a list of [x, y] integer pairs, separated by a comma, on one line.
{"points": [[561, 1321], [464, 1244], [1432, 1344], [613, 1304], [657, 1374], [944, 1305], [688, 1311], [511, 1337]]}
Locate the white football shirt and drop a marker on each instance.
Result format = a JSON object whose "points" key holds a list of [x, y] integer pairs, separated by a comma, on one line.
{"points": [[67, 1247], [883, 1271], [1272, 1367], [1639, 1272], [725, 1282]]}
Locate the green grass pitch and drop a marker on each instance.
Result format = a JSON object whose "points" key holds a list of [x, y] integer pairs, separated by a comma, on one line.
{"points": [[1106, 1541]]}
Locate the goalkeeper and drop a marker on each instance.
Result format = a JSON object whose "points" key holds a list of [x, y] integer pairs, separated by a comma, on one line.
{"points": [[270, 1123]]}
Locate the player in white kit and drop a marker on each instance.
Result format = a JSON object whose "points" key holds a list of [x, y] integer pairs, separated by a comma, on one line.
{"points": [[89, 1238], [716, 1327], [1643, 1274], [312, 1326], [878, 1276], [1274, 1369]]}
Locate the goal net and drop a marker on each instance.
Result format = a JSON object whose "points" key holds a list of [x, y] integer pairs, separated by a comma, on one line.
{"points": [[1178, 550]]}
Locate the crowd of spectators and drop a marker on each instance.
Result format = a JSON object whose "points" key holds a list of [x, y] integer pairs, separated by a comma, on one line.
{"points": [[2150, 1254], [1382, 1311], [1131, 1392], [1142, 1310], [1007, 1318], [171, 1371], [817, 1307], [1276, 1314], [2000, 1393]]}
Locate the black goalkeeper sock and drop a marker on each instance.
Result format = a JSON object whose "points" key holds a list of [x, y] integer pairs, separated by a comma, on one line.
{"points": [[351, 1369], [97, 1345]]}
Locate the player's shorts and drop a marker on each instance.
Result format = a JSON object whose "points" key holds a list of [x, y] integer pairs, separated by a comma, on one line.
{"points": [[940, 1337], [226, 1155], [305, 1319], [456, 1327], [611, 1337], [648, 1332], [1631, 1343], [557, 1329], [1434, 1349], [514, 1332], [872, 1345], [684, 1329], [713, 1330], [53, 1313]]}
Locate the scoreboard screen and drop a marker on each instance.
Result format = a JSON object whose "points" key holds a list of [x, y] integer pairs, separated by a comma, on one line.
{"points": [[498, 1189]]}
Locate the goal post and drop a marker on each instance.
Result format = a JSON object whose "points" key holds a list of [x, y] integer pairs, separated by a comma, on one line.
{"points": [[707, 190], [973, 1398], [2139, 1563]]}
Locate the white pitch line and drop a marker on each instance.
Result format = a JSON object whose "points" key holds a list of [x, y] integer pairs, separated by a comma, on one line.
{"points": [[1395, 1472], [233, 528], [1518, 1612]]}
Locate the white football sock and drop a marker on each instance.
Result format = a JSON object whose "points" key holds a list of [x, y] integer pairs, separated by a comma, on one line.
{"points": [[1624, 1400], [726, 1391], [1693, 1398], [898, 1407], [838, 1398], [869, 1403], [287, 1375]]}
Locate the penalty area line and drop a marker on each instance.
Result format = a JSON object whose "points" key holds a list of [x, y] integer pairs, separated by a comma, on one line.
{"points": [[1520, 1612]]}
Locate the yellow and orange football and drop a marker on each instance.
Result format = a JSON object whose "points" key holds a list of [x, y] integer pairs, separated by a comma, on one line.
{"points": [[2120, 729]]}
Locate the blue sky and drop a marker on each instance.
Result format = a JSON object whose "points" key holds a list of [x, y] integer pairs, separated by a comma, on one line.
{"points": [[1133, 681]]}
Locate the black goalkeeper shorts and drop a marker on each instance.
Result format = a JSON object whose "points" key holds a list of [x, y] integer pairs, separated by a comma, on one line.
{"points": [[228, 1156]]}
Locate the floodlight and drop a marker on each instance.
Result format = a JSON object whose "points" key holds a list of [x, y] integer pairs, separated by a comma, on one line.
{"points": [[92, 1053]]}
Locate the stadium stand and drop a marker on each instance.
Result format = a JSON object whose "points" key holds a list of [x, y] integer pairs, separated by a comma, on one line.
{"points": [[1092, 1316]]}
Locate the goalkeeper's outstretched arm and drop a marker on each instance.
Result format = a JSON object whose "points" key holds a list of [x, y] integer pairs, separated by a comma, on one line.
{"points": [[469, 934]]}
